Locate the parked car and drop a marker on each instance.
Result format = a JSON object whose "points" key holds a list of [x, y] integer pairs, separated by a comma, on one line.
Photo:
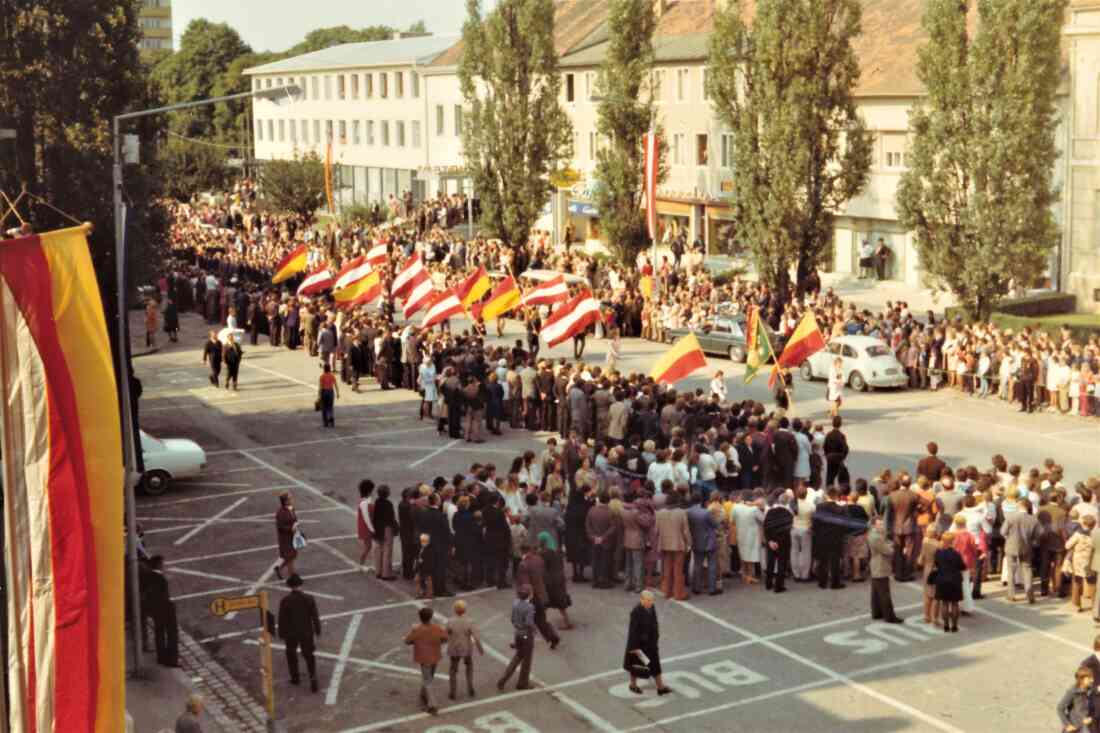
{"points": [[725, 335], [167, 459], [867, 361]]}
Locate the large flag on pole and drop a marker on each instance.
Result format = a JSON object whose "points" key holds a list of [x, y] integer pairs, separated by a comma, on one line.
{"points": [[63, 481], [570, 318], [317, 282], [759, 349], [552, 291], [362, 285], [407, 276], [652, 165], [420, 294], [295, 261], [685, 357], [444, 305], [470, 290], [807, 339], [503, 299]]}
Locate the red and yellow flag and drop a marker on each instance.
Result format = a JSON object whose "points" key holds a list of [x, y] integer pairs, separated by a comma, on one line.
{"points": [[807, 339], [296, 261], [360, 291], [685, 357], [470, 290], [63, 480], [503, 299]]}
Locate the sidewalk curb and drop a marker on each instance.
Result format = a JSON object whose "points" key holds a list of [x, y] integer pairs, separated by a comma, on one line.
{"points": [[232, 708]]}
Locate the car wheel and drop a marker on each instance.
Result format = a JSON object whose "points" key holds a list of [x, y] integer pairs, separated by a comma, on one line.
{"points": [[736, 354], [155, 482], [857, 382], [806, 371]]}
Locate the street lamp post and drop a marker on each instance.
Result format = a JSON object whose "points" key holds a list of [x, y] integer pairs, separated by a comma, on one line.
{"points": [[129, 449]]}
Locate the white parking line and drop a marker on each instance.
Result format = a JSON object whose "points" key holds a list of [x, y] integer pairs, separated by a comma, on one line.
{"points": [[318, 441], [280, 375], [434, 453], [297, 482], [333, 692], [210, 521], [249, 550], [207, 497], [368, 663], [822, 669]]}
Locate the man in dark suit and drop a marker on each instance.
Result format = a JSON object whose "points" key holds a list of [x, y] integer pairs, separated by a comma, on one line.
{"points": [[157, 603], [784, 454], [433, 522], [704, 546], [601, 527], [931, 466], [531, 573], [836, 453], [778, 521], [903, 503], [299, 623], [829, 528]]}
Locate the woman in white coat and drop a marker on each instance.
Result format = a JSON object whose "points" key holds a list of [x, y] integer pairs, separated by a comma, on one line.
{"points": [[749, 518], [835, 387], [428, 392]]}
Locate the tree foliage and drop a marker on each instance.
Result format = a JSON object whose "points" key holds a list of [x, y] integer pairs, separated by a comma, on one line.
{"points": [[296, 185], [187, 168], [784, 88], [978, 191], [517, 132], [626, 112]]}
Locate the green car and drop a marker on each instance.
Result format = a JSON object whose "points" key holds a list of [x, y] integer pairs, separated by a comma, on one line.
{"points": [[725, 336]]}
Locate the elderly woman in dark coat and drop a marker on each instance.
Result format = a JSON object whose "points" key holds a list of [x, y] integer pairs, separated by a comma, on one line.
{"points": [[577, 547], [498, 543], [468, 539], [556, 589], [642, 657]]}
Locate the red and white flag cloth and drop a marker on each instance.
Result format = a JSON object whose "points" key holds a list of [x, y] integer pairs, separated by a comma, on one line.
{"points": [[444, 305], [570, 319], [652, 163], [552, 291], [317, 282], [377, 255], [407, 276], [354, 270], [420, 293]]}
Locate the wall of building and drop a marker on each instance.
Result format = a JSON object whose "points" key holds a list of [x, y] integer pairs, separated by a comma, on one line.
{"points": [[155, 19], [1081, 195]]}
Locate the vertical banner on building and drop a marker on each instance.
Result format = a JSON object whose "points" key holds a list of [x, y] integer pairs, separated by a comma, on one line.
{"points": [[652, 163], [63, 481], [328, 176]]}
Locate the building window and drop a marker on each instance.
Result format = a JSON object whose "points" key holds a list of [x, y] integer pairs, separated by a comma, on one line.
{"points": [[328, 131], [592, 146], [370, 132], [895, 147], [439, 120], [315, 85], [702, 154], [589, 85], [267, 83], [270, 131], [282, 130], [279, 81], [458, 119], [416, 133], [683, 83], [727, 150], [569, 90], [414, 84], [355, 132], [302, 86], [259, 129], [678, 149], [400, 134], [256, 85], [328, 87], [385, 133], [305, 131], [658, 84], [316, 131], [294, 131], [398, 84], [343, 133], [383, 85], [368, 86], [341, 87]]}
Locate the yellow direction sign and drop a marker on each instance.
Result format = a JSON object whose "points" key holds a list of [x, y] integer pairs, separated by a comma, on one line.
{"points": [[222, 606], [565, 178]]}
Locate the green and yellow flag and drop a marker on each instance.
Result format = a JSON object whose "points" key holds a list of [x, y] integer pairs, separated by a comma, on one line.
{"points": [[759, 351]]}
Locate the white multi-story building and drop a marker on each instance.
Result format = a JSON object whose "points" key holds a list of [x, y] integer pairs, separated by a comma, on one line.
{"points": [[368, 99], [694, 198]]}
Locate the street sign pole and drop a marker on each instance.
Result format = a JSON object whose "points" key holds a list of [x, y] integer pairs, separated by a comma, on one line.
{"points": [[265, 663]]}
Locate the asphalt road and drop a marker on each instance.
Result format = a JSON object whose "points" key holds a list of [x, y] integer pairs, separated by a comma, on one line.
{"points": [[746, 660]]}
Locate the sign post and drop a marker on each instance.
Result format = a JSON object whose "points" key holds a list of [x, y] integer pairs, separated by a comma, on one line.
{"points": [[221, 606]]}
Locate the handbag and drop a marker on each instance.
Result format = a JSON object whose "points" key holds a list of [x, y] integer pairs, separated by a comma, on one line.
{"points": [[298, 541], [317, 405]]}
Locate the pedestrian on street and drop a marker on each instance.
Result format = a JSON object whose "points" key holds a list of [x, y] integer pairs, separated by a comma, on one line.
{"points": [[386, 529], [364, 522], [188, 721], [778, 521], [523, 626], [427, 641], [835, 387], [531, 573], [948, 576], [232, 355], [286, 522], [172, 320], [212, 355], [462, 639], [327, 392], [299, 625], [642, 657], [882, 557], [1077, 706], [158, 603]]}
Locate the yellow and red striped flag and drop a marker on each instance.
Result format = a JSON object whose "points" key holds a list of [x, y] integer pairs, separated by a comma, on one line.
{"points": [[470, 290], [503, 299], [807, 339], [295, 261], [63, 480], [685, 357]]}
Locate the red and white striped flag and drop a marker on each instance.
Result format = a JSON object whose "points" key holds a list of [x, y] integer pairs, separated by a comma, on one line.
{"points": [[377, 255], [352, 271], [407, 276], [570, 319], [444, 305], [552, 291], [420, 293], [317, 282], [652, 163]]}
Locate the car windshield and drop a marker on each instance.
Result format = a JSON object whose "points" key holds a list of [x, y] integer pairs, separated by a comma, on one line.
{"points": [[878, 350]]}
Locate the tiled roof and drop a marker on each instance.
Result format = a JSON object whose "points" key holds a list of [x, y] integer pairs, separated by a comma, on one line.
{"points": [[419, 50]]}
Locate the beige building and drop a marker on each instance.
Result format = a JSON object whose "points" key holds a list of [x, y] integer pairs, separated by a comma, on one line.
{"points": [[155, 18]]}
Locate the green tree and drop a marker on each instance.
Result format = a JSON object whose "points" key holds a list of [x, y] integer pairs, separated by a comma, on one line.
{"points": [[188, 167], [195, 72], [626, 111], [296, 185], [800, 149], [516, 133], [322, 38], [978, 190]]}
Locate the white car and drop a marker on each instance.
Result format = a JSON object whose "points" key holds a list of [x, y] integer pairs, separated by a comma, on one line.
{"points": [[868, 362], [167, 459]]}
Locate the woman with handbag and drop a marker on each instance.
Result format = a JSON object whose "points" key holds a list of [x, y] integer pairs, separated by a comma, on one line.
{"points": [[286, 531], [642, 657], [556, 590]]}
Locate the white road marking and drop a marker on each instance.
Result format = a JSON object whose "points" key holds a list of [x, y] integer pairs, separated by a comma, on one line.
{"points": [[207, 483], [249, 550], [318, 441], [357, 660], [206, 497], [262, 581], [297, 482], [822, 669], [434, 453], [280, 375], [210, 521], [333, 692]]}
